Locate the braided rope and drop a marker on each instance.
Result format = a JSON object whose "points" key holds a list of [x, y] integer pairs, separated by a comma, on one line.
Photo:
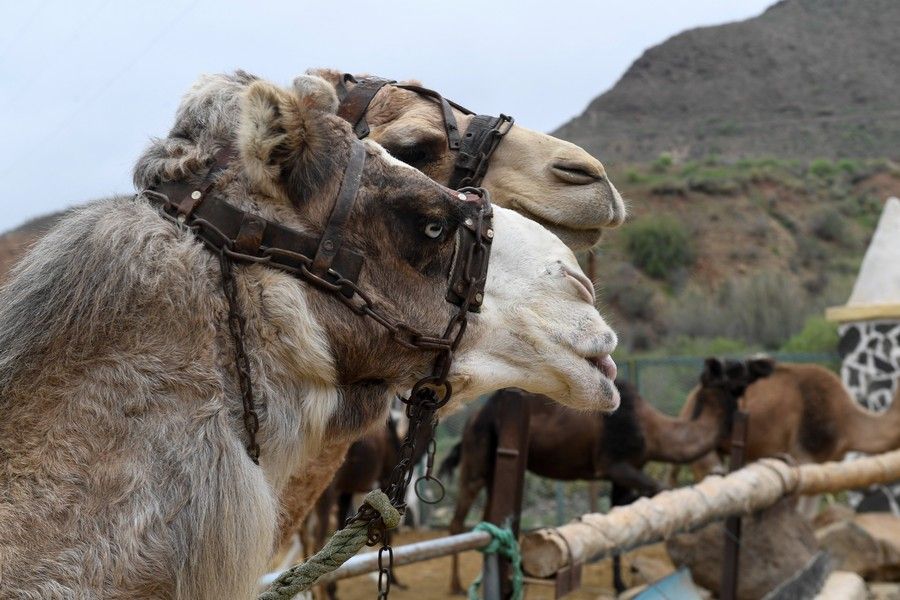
{"points": [[504, 543], [342, 545]]}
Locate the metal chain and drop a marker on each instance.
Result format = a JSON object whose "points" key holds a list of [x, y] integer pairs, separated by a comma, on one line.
{"points": [[424, 400], [237, 327], [385, 572]]}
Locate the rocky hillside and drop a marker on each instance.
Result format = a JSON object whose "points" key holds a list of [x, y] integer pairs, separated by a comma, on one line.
{"points": [[806, 79], [744, 252]]}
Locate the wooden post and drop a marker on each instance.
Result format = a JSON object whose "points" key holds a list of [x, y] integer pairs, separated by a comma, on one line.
{"points": [[733, 524], [593, 495], [504, 506]]}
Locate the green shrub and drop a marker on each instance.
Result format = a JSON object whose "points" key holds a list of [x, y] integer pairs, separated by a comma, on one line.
{"points": [[817, 335], [830, 225], [635, 176], [635, 300], [662, 163], [822, 168], [760, 310], [658, 246]]}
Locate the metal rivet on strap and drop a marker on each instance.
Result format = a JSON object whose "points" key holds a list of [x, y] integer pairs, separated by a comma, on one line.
{"points": [[196, 194], [479, 297], [328, 245], [489, 233], [469, 222], [461, 196]]}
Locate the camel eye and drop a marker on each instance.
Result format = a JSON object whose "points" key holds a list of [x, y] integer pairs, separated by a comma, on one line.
{"points": [[434, 230]]}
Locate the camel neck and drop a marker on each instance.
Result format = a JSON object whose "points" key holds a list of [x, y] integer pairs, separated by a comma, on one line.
{"points": [[873, 432], [678, 440]]}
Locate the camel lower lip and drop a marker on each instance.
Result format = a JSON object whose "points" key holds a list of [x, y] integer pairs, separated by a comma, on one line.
{"points": [[556, 226], [606, 365]]}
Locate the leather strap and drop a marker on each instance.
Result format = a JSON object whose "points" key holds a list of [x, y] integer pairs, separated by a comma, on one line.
{"points": [[333, 236], [356, 102], [187, 197], [468, 273], [221, 224], [482, 137], [474, 149], [447, 106]]}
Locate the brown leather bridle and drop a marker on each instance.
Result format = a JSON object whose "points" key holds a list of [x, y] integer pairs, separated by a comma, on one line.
{"points": [[474, 148], [325, 262]]}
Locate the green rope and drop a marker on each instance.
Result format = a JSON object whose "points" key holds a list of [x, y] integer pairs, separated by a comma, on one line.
{"points": [[342, 545], [505, 544]]}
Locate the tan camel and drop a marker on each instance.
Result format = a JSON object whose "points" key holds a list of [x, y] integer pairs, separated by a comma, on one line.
{"points": [[805, 411], [124, 470], [568, 445], [528, 169]]}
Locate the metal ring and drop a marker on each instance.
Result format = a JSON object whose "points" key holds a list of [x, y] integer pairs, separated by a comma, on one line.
{"points": [[436, 482]]}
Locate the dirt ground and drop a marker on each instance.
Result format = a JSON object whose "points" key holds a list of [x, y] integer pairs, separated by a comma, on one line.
{"points": [[430, 580]]}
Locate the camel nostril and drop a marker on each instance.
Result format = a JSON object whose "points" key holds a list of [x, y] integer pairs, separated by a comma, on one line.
{"points": [[576, 173], [582, 283]]}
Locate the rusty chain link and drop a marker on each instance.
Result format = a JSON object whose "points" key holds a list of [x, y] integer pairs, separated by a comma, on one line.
{"points": [[427, 395], [237, 327]]}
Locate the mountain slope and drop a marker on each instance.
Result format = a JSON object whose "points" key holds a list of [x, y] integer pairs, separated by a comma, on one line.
{"points": [[806, 79]]}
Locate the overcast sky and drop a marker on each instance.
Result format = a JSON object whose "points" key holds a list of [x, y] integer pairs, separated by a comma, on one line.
{"points": [[84, 84]]}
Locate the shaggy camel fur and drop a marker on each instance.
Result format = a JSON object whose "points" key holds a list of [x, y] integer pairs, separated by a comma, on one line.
{"points": [[542, 177], [529, 169], [124, 472], [567, 445], [803, 410]]}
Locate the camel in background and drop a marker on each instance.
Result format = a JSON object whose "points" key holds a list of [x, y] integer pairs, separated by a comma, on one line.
{"points": [[569, 445], [804, 410]]}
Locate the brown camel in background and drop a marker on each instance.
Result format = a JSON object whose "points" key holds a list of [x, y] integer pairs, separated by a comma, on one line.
{"points": [[805, 411], [568, 445]]}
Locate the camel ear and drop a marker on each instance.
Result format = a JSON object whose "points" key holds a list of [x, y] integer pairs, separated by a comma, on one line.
{"points": [[316, 93], [278, 127], [760, 367], [712, 371]]}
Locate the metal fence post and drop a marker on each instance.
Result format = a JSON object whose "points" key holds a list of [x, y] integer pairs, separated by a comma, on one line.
{"points": [[730, 570], [504, 507]]}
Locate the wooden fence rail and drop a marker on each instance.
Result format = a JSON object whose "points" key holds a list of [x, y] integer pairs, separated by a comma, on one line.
{"points": [[747, 490]]}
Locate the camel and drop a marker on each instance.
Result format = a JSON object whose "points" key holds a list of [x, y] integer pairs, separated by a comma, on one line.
{"points": [[530, 172], [568, 445], [804, 411], [549, 180], [125, 472]]}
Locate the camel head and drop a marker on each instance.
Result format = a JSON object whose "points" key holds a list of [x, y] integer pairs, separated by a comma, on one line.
{"points": [[537, 329], [723, 383], [549, 180]]}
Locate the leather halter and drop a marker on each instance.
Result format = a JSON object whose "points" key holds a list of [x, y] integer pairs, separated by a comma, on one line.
{"points": [[475, 148], [323, 260]]}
